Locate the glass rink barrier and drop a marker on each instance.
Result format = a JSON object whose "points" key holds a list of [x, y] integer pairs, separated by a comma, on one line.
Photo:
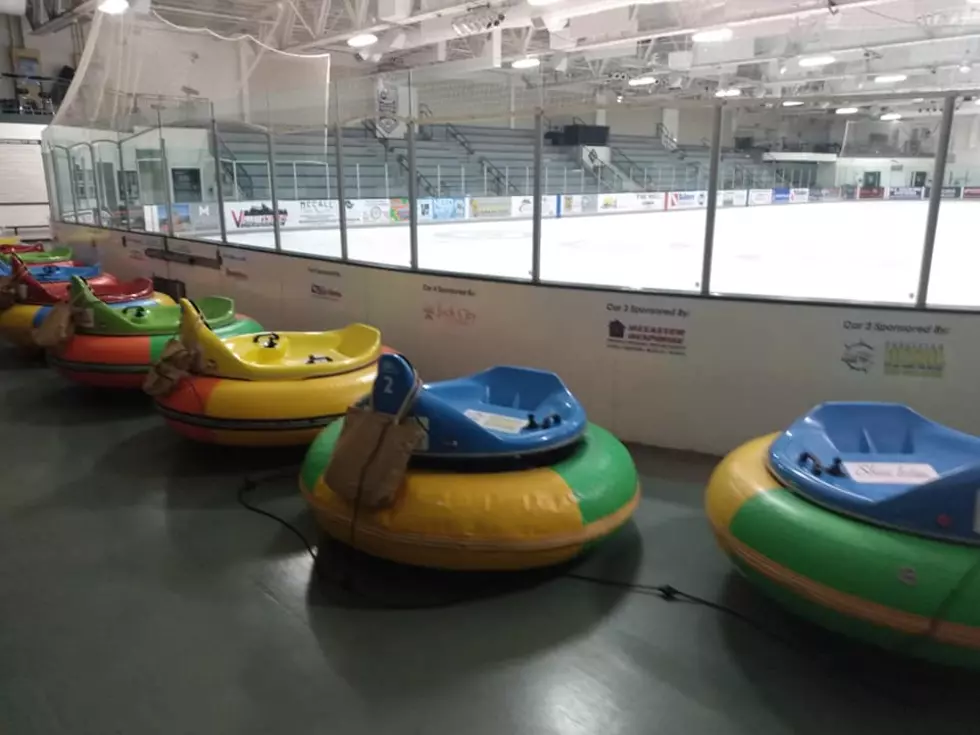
{"points": [[237, 144]]}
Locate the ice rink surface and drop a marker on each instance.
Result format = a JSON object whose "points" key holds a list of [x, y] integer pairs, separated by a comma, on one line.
{"points": [[854, 251]]}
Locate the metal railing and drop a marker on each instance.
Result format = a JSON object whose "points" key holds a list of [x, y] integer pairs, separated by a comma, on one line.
{"points": [[244, 186], [667, 140], [456, 135], [431, 189], [627, 165]]}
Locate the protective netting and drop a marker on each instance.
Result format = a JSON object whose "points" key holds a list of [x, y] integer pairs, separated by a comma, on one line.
{"points": [[915, 138], [150, 99]]}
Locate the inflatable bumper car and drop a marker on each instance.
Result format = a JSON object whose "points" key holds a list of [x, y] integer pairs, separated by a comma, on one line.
{"points": [[502, 471], [865, 519], [115, 347], [263, 389], [27, 301]]}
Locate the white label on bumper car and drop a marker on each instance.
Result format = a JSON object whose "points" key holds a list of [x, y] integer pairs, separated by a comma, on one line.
{"points": [[496, 421], [891, 473]]}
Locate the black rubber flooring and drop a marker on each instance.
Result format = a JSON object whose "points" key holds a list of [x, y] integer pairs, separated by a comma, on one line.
{"points": [[137, 596]]}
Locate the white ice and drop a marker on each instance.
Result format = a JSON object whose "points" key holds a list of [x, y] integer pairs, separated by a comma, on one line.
{"points": [[854, 251]]}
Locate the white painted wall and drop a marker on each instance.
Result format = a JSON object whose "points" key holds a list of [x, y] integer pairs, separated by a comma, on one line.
{"points": [[633, 121], [55, 49], [894, 171], [23, 189]]}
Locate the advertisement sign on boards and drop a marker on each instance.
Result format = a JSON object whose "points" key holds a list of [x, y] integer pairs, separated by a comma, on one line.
{"points": [[254, 215], [489, 207], [316, 212], [687, 199], [905, 192], [760, 196], [780, 195], [733, 198], [949, 192], [633, 202], [447, 208], [368, 211], [971, 192], [825, 194], [578, 204], [870, 192], [399, 210], [524, 206], [799, 196]]}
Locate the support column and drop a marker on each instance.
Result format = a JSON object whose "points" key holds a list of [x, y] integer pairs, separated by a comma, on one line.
{"points": [[709, 220], [95, 184], [165, 165], [413, 194], [538, 192], [218, 175], [122, 184], [935, 197], [341, 197], [71, 183], [276, 227]]}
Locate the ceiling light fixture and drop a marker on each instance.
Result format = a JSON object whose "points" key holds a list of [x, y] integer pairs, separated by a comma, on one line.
{"points": [[965, 69], [890, 78], [782, 70], [919, 99], [361, 40], [846, 110], [890, 117], [792, 103], [114, 7], [730, 92], [808, 62], [539, 3], [642, 81], [528, 63], [715, 35]]}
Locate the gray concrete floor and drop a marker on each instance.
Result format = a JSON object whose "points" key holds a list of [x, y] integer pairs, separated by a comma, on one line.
{"points": [[138, 597]]}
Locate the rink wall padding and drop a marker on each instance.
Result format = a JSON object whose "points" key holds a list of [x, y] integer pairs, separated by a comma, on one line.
{"points": [[674, 371]]}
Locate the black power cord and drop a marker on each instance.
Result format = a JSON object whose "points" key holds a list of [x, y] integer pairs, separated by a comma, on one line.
{"points": [[665, 592]]}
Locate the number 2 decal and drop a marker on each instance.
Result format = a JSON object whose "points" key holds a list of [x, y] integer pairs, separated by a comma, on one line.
{"points": [[389, 382]]}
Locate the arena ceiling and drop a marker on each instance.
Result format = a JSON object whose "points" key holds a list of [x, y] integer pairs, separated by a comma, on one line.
{"points": [[756, 49]]}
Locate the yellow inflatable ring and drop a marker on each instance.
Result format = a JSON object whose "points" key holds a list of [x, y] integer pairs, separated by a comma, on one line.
{"points": [[485, 520], [262, 412], [18, 322]]}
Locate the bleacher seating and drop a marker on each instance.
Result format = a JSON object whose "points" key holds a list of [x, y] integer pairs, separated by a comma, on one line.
{"points": [[457, 160]]}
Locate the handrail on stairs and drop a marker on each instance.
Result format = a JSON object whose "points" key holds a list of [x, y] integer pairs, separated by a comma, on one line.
{"points": [[667, 140], [460, 138], [420, 177], [618, 152], [229, 164], [372, 127], [503, 184]]}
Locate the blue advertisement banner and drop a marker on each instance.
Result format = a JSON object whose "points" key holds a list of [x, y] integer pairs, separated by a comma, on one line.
{"points": [[780, 195], [448, 208]]}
